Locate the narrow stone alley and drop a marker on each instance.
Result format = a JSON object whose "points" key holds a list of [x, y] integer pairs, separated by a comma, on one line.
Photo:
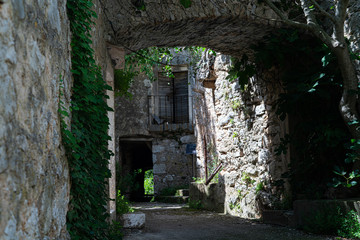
{"points": [[177, 221]]}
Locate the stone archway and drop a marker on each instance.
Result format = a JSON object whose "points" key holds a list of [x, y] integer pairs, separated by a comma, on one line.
{"points": [[229, 27]]}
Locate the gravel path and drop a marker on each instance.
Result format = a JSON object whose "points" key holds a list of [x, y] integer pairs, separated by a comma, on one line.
{"points": [[176, 221]]}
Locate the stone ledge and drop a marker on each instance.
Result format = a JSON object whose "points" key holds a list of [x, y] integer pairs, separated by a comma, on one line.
{"points": [[133, 220]]}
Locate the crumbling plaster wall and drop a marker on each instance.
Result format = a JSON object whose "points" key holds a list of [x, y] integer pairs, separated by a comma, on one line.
{"points": [[34, 175], [242, 131]]}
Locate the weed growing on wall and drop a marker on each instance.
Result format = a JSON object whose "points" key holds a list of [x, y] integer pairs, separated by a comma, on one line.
{"points": [[122, 204], [86, 139]]}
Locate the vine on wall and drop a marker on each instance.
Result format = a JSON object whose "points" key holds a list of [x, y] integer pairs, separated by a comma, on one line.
{"points": [[86, 139]]}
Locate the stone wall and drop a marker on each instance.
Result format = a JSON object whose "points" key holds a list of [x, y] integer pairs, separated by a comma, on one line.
{"points": [[34, 175], [242, 131], [352, 30], [172, 166]]}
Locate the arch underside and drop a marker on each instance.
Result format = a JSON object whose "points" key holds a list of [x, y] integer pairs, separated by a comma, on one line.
{"points": [[229, 27]]}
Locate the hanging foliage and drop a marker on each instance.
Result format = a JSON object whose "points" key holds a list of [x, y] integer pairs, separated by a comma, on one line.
{"points": [[86, 139]]}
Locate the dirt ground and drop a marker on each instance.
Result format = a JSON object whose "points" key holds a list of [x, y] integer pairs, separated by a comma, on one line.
{"points": [[176, 221]]}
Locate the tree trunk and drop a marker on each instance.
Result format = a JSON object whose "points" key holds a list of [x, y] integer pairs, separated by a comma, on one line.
{"points": [[348, 108], [349, 98]]}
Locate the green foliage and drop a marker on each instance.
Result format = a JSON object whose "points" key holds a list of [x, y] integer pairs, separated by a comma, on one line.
{"points": [[199, 180], [333, 221], [195, 204], [236, 105], [350, 226], [122, 82], [247, 179], [145, 60], [186, 3], [115, 230], [122, 205], [149, 182], [348, 179], [259, 187], [241, 70], [140, 5], [86, 139]]}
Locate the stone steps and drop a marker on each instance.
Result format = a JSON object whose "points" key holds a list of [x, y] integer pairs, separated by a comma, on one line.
{"points": [[172, 199]]}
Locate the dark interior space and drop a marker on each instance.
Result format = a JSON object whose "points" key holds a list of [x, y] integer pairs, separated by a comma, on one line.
{"points": [[136, 158]]}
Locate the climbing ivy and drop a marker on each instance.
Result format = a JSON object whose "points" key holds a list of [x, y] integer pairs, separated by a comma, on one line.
{"points": [[86, 138]]}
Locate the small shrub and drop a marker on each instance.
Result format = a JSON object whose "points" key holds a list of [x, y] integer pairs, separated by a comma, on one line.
{"points": [[195, 204], [350, 226], [149, 182], [333, 221], [122, 205]]}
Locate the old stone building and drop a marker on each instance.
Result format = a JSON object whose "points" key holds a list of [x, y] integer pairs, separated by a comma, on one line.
{"points": [[239, 131], [154, 126]]}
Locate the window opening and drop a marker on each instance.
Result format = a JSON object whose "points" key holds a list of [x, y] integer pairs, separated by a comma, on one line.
{"points": [[173, 98]]}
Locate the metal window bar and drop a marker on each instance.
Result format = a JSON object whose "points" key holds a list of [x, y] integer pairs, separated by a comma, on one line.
{"points": [[168, 109]]}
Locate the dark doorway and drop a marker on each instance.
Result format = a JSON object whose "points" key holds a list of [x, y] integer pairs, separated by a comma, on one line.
{"points": [[135, 160]]}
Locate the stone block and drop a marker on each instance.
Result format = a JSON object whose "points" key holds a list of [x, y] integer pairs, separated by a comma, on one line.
{"points": [[157, 148], [159, 168], [133, 220], [212, 196], [188, 139]]}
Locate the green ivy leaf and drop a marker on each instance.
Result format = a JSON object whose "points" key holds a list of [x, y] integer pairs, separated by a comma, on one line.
{"points": [[186, 3]]}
